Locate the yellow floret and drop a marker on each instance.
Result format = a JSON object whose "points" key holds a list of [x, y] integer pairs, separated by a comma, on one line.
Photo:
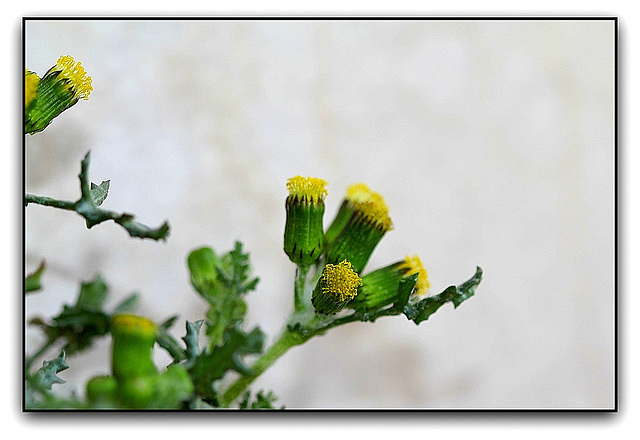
{"points": [[376, 211], [358, 193], [31, 81], [133, 324], [309, 188], [340, 280], [412, 265], [75, 73]]}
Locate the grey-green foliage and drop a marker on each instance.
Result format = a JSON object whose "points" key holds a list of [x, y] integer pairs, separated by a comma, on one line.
{"points": [[80, 323], [88, 206], [421, 310], [33, 282], [38, 386], [222, 282], [261, 400]]}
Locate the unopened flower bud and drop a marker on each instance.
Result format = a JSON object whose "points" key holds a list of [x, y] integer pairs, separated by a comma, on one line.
{"points": [[361, 223], [303, 233], [133, 339], [60, 88], [380, 287]]}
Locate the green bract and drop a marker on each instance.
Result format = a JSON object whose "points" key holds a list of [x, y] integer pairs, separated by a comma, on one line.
{"points": [[303, 232]]}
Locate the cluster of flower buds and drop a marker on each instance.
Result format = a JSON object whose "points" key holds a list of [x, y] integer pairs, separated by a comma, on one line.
{"points": [[344, 249], [135, 381], [59, 89]]}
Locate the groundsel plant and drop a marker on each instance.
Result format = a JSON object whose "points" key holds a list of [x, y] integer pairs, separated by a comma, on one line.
{"points": [[332, 287]]}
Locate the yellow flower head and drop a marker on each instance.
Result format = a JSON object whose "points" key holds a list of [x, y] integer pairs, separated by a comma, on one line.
{"points": [[31, 81], [358, 193], [340, 281], [133, 325], [370, 205], [376, 211], [74, 72], [412, 265], [311, 189]]}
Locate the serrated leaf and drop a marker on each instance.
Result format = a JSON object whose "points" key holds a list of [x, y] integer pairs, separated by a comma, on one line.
{"points": [[422, 310], [127, 305], [168, 342], [80, 323], [91, 196], [46, 377], [222, 282], [100, 192], [92, 295], [191, 340], [32, 281], [405, 288], [211, 366], [260, 401]]}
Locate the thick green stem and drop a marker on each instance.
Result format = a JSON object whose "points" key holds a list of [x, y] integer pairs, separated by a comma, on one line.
{"points": [[281, 346]]}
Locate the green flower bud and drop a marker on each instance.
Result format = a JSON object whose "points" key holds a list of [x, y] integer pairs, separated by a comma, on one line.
{"points": [[356, 193], [138, 392], [337, 285], [101, 389], [358, 229], [133, 339], [60, 88], [380, 287], [303, 232]]}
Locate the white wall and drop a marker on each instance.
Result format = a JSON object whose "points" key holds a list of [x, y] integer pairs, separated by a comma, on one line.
{"points": [[492, 142]]}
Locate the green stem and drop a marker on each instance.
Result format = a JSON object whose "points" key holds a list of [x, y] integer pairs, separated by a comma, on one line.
{"points": [[31, 359], [281, 346], [299, 300], [48, 201]]}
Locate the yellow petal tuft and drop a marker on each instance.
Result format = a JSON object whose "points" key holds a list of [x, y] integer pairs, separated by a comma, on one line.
{"points": [[75, 73], [358, 193], [126, 323], [340, 280], [376, 211], [412, 265], [309, 188], [31, 81]]}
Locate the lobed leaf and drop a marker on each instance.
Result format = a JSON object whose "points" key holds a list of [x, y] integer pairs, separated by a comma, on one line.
{"points": [[422, 310], [211, 365], [222, 282], [32, 281]]}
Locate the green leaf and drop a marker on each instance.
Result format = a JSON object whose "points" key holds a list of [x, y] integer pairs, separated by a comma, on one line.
{"points": [[261, 401], [80, 323], [92, 295], [405, 288], [168, 342], [191, 340], [422, 310], [211, 366], [32, 281], [128, 305], [99, 192], [222, 282], [174, 388], [38, 385], [46, 377]]}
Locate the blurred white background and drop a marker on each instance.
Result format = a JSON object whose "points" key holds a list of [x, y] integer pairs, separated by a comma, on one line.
{"points": [[492, 142]]}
